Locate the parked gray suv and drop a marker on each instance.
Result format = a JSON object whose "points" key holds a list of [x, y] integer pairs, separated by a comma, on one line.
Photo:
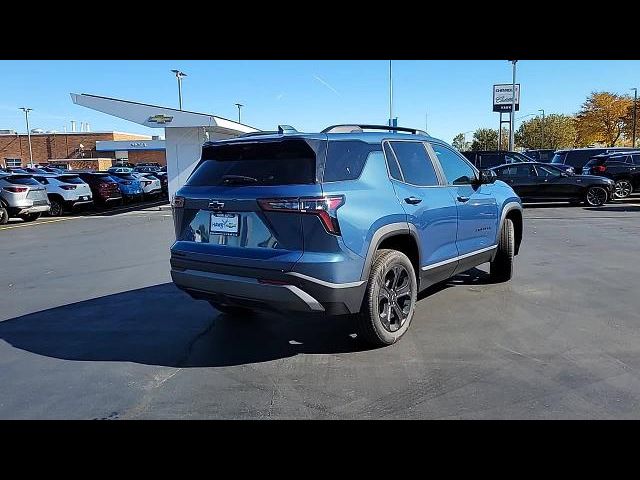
{"points": [[21, 196]]}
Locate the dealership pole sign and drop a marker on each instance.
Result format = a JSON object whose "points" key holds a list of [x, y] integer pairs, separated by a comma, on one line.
{"points": [[503, 97]]}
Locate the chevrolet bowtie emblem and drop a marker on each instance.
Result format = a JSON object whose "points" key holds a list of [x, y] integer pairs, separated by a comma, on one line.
{"points": [[215, 205], [160, 119]]}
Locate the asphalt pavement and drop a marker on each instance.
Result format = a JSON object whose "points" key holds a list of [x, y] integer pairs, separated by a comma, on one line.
{"points": [[92, 328]]}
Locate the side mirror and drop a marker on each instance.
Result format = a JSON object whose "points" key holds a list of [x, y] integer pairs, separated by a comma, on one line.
{"points": [[487, 176]]}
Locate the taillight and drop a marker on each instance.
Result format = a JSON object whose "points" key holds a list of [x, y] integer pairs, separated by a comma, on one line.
{"points": [[146, 182], [16, 189], [600, 168], [68, 187], [178, 202], [324, 208]]}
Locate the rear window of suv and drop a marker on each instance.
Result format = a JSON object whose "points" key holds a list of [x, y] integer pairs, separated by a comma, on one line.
{"points": [[21, 180], [71, 179], [287, 162]]}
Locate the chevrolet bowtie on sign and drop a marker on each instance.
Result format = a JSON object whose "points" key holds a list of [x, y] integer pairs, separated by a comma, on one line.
{"points": [[160, 119]]}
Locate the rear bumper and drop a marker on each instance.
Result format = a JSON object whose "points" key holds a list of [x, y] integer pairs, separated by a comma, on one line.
{"points": [[28, 210], [247, 287]]}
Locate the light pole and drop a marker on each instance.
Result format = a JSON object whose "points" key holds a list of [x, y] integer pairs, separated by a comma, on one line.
{"points": [[635, 102], [179, 75], [513, 107], [542, 126], [26, 117], [239, 105], [390, 94]]}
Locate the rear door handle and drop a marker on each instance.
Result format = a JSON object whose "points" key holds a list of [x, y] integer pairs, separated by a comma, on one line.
{"points": [[463, 199], [413, 200]]}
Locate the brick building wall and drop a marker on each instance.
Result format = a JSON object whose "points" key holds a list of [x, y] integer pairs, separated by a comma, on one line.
{"points": [[60, 145], [158, 156]]}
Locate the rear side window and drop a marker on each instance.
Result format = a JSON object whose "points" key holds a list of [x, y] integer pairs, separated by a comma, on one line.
{"points": [[288, 162], [558, 157], [416, 166], [394, 169], [346, 159], [21, 180]]}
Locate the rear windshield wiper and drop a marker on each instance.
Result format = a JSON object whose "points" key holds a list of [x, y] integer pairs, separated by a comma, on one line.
{"points": [[238, 179]]}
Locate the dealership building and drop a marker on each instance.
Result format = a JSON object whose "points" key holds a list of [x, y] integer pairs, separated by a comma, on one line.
{"points": [[79, 149]]}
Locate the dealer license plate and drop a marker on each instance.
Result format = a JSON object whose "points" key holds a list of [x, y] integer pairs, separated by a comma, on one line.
{"points": [[225, 224]]}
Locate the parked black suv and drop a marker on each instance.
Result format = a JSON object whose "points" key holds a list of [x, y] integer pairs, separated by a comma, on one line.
{"points": [[621, 167], [578, 157], [491, 158]]}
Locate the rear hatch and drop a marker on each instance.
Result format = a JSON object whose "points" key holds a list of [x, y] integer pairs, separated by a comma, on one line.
{"points": [[106, 186], [595, 166], [75, 185], [25, 183], [239, 205]]}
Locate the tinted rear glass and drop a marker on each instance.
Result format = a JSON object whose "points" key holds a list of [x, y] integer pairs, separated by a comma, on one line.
{"points": [[346, 159], [288, 162], [75, 179], [578, 158], [124, 176], [22, 180], [489, 160], [558, 158]]}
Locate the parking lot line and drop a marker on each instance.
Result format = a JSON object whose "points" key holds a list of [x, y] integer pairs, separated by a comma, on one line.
{"points": [[20, 225]]}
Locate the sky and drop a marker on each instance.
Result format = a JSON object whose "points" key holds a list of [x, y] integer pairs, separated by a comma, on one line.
{"points": [[446, 97]]}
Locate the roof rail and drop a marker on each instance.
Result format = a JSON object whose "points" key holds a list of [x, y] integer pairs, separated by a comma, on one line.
{"points": [[358, 128], [282, 129]]}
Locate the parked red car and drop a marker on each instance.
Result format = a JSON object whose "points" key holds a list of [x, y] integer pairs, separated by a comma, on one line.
{"points": [[104, 189]]}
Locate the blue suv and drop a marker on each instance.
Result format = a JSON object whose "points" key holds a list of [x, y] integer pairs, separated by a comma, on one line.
{"points": [[354, 220]]}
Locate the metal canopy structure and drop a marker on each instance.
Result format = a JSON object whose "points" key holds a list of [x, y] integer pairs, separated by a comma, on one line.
{"points": [[185, 131]]}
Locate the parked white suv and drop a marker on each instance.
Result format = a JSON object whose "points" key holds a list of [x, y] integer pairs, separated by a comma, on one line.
{"points": [[21, 196], [66, 192], [151, 186]]}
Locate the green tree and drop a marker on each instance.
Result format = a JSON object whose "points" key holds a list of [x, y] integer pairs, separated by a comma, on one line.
{"points": [[460, 143], [628, 123], [485, 139], [603, 118], [559, 131]]}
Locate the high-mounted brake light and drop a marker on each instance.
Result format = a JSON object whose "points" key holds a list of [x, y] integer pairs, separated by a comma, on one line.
{"points": [[16, 189], [324, 208]]}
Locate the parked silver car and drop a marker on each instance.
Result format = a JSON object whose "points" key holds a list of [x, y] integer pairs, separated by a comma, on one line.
{"points": [[21, 196], [66, 192]]}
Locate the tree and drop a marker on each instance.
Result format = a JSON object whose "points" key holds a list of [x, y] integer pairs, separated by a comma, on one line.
{"points": [[602, 118], [460, 143], [628, 123], [559, 132], [484, 139]]}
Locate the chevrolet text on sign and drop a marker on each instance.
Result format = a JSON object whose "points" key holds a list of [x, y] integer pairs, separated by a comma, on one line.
{"points": [[502, 97]]}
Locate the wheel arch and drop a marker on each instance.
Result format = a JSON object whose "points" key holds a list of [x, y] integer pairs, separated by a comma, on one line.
{"points": [[513, 211], [397, 236]]}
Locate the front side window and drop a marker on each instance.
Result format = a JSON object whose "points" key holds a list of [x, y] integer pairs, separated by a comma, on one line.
{"points": [[516, 170], [416, 166], [456, 170]]}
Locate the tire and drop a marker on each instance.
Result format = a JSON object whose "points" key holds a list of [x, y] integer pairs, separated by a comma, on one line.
{"points": [[622, 188], [390, 299], [501, 269], [596, 196], [231, 310], [4, 215], [30, 217], [56, 209]]}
